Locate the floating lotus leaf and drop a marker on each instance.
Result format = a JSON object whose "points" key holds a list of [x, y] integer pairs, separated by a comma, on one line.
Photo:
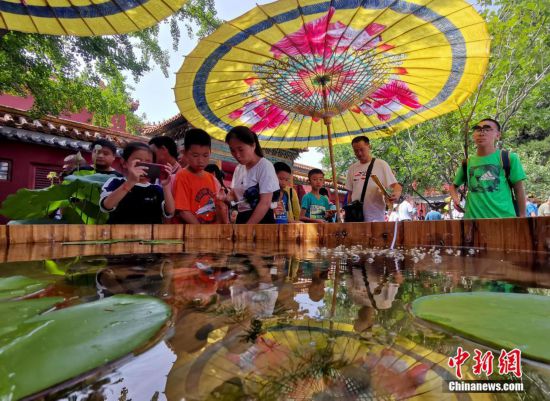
{"points": [[40, 351], [499, 320], [20, 286]]}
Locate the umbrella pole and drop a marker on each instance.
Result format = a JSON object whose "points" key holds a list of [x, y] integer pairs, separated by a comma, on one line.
{"points": [[328, 123]]}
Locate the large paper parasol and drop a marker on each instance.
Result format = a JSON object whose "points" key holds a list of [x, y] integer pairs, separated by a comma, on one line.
{"points": [[84, 17], [309, 360], [306, 73]]}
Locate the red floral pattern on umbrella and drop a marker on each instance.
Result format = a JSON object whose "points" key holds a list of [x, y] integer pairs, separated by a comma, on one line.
{"points": [[327, 63]]}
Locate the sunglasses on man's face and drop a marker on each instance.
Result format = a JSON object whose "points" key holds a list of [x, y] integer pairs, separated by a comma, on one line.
{"points": [[482, 128]]}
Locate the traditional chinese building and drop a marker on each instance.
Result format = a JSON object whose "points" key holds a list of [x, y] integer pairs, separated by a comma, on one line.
{"points": [[32, 148]]}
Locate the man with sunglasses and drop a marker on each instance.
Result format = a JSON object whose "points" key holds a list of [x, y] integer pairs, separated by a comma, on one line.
{"points": [[494, 178]]}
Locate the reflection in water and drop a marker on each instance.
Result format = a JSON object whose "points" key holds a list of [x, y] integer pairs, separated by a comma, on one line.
{"points": [[269, 326]]}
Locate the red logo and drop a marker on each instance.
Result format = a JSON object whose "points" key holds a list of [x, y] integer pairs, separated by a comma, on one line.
{"points": [[457, 361], [508, 362]]}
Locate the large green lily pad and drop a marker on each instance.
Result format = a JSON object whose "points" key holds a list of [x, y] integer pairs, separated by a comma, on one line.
{"points": [[40, 351], [20, 286], [499, 320]]}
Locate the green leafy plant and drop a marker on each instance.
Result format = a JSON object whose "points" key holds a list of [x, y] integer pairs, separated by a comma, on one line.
{"points": [[38, 351], [20, 286], [77, 196], [492, 319]]}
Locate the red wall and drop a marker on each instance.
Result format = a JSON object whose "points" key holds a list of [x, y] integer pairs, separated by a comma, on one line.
{"points": [[24, 157]]}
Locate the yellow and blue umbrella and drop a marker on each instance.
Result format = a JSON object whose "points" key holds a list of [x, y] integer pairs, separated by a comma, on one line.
{"points": [[304, 73], [84, 17]]}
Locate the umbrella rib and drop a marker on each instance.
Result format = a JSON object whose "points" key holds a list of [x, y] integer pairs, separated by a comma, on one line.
{"points": [[338, 57], [347, 92], [122, 11], [231, 60], [386, 27], [266, 43], [331, 5], [304, 25], [391, 112], [381, 75], [4, 20], [229, 104], [306, 67], [391, 56], [276, 128], [428, 79], [168, 5], [32, 19], [430, 23], [103, 17], [256, 93], [57, 18], [79, 13], [344, 122], [359, 33], [439, 33], [298, 130], [270, 18], [252, 94], [142, 5], [357, 121], [273, 68], [300, 12]]}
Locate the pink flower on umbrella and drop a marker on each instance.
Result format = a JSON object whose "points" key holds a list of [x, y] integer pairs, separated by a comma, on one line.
{"points": [[301, 53], [309, 39], [261, 115], [388, 99], [319, 38], [306, 86], [352, 38]]}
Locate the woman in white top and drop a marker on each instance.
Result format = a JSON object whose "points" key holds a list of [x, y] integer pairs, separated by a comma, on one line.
{"points": [[254, 179]]}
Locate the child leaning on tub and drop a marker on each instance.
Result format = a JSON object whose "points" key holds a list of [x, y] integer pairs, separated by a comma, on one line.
{"points": [[133, 199], [254, 180]]}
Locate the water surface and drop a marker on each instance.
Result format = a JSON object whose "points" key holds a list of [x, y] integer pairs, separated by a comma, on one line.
{"points": [[294, 324]]}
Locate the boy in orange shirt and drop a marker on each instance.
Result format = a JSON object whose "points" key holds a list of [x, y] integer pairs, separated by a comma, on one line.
{"points": [[195, 190]]}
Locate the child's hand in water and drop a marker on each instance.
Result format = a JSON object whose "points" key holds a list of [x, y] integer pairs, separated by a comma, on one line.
{"points": [[135, 172], [165, 175]]}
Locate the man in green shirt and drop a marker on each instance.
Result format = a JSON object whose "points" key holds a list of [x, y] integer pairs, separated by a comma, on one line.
{"points": [[489, 191]]}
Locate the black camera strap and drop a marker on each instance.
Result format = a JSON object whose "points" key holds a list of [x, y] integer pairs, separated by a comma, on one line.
{"points": [[367, 177]]}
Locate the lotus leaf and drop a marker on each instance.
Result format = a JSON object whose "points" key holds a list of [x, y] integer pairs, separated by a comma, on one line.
{"points": [[499, 320], [78, 195], [19, 286], [38, 351]]}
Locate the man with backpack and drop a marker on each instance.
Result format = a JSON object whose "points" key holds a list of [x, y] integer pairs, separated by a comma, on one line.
{"points": [[493, 177]]}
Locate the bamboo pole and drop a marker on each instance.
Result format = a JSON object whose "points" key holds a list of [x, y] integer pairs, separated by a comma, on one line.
{"points": [[328, 123], [327, 119]]}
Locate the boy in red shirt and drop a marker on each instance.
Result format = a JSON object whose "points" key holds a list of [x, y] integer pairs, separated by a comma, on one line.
{"points": [[195, 190]]}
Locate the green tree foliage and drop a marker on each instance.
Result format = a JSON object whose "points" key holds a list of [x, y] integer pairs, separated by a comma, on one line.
{"points": [[514, 91], [67, 73], [535, 156]]}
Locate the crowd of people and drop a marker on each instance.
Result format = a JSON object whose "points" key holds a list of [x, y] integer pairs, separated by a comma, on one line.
{"points": [[164, 184]]}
